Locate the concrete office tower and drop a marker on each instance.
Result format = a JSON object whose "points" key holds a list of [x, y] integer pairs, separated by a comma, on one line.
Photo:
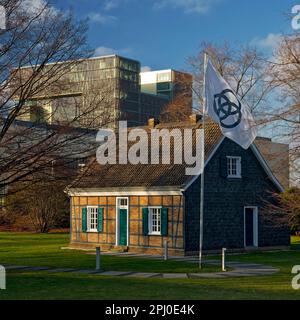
{"points": [[96, 92], [100, 91], [168, 86], [165, 83]]}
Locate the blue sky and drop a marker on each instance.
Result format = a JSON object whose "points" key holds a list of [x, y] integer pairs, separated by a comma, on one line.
{"points": [[163, 33]]}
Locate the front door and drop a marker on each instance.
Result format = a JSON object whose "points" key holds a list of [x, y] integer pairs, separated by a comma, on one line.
{"points": [[251, 227], [123, 227]]}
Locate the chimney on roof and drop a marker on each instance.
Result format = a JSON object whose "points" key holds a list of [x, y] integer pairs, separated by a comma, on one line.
{"points": [[195, 118], [81, 167], [152, 123]]}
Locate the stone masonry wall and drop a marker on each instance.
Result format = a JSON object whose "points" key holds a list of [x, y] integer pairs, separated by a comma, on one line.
{"points": [[225, 200]]}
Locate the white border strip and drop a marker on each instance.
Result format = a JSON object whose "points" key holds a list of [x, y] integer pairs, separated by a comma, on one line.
{"points": [[123, 193]]}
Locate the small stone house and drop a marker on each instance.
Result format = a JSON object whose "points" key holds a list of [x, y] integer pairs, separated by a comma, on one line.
{"points": [[136, 208]]}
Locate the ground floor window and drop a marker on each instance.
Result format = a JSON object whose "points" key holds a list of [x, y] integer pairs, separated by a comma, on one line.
{"points": [[155, 220], [92, 219]]}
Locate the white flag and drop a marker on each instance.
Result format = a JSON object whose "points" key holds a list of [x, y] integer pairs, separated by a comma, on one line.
{"points": [[224, 107]]}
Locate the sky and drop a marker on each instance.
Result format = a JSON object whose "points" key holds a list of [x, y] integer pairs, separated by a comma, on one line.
{"points": [[162, 34]]}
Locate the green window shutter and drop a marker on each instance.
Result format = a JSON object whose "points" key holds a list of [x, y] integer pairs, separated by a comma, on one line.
{"points": [[100, 219], [84, 220], [164, 222], [145, 222]]}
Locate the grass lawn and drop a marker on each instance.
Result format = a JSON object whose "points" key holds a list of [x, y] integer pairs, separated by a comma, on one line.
{"points": [[44, 250]]}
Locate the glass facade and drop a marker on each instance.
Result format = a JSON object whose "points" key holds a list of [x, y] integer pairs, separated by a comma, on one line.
{"points": [[91, 94], [101, 91], [168, 84], [164, 77]]}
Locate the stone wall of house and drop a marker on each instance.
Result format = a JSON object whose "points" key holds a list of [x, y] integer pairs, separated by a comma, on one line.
{"points": [[225, 200], [137, 242]]}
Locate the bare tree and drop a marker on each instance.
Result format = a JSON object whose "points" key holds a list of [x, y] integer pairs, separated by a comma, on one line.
{"points": [[244, 68], [284, 117], [40, 206], [42, 54], [181, 106], [251, 75], [285, 209]]}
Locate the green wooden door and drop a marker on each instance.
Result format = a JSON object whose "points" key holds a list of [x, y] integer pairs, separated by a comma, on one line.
{"points": [[123, 227]]}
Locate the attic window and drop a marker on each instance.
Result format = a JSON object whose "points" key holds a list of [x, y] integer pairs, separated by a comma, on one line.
{"points": [[234, 168]]}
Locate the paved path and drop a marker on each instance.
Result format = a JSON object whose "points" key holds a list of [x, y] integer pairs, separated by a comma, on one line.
{"points": [[239, 270]]}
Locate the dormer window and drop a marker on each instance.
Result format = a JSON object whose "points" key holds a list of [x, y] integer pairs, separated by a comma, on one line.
{"points": [[234, 167]]}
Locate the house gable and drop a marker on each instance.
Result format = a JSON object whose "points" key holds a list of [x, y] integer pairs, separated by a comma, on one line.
{"points": [[225, 200], [263, 163]]}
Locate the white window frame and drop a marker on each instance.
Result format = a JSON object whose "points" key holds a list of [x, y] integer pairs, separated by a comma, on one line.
{"points": [[89, 218], [255, 226], [238, 174], [150, 221]]}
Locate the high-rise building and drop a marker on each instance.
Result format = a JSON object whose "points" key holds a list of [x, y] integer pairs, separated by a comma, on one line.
{"points": [[95, 92], [167, 84], [100, 91], [166, 92]]}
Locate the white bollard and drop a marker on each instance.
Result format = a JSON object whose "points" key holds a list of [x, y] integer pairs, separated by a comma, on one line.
{"points": [[98, 259], [2, 278], [224, 260], [166, 250]]}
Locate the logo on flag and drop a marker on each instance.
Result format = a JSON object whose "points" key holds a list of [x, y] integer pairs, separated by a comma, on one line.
{"points": [[226, 106]]}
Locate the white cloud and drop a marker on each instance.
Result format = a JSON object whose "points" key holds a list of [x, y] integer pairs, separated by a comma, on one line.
{"points": [[146, 69], [34, 7], [101, 18], [188, 6], [105, 51], [270, 42], [113, 4]]}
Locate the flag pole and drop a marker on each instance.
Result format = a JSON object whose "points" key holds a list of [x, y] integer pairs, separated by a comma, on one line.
{"points": [[202, 161]]}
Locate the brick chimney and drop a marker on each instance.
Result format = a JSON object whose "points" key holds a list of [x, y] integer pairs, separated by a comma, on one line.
{"points": [[152, 123], [195, 118]]}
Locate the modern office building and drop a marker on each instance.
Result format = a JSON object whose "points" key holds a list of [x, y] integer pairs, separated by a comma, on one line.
{"points": [[95, 92], [167, 84], [162, 87], [100, 91]]}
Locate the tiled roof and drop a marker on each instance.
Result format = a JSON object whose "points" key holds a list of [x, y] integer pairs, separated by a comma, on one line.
{"points": [[147, 176], [277, 157]]}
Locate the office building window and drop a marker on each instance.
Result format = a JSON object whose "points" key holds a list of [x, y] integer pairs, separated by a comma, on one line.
{"points": [[162, 86], [164, 77]]}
